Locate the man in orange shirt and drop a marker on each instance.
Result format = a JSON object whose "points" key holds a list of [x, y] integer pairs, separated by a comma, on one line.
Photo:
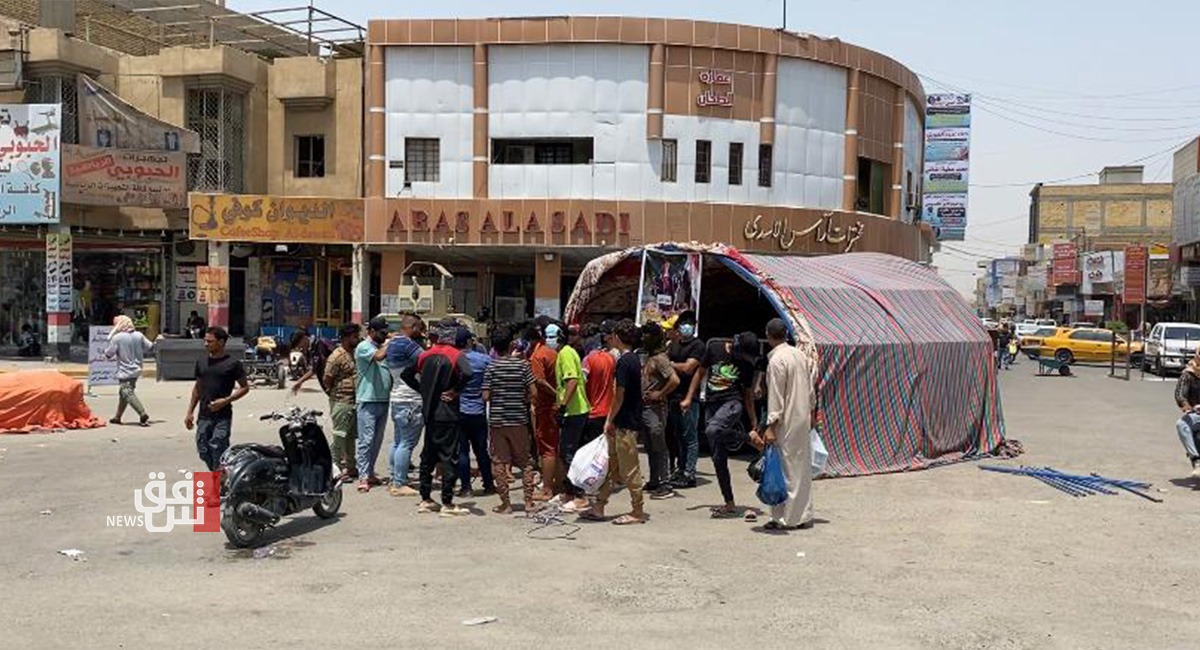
{"points": [[542, 359], [598, 369]]}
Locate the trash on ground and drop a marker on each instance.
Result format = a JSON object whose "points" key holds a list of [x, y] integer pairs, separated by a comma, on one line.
{"points": [[799, 553], [73, 553], [265, 551], [46, 512], [115, 440], [1077, 485], [481, 620]]}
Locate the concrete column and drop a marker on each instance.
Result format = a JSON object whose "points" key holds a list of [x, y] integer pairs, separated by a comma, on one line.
{"points": [[360, 284], [218, 255], [655, 91], [850, 166], [547, 284], [480, 137], [896, 205], [376, 135], [60, 294], [766, 123]]}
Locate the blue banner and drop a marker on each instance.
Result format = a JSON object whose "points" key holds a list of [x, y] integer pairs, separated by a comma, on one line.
{"points": [[30, 170]]}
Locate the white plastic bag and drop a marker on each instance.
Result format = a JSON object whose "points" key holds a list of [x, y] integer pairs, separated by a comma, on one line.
{"points": [[590, 465], [819, 454]]}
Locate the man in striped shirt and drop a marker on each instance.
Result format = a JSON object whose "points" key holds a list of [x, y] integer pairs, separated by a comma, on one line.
{"points": [[508, 389]]}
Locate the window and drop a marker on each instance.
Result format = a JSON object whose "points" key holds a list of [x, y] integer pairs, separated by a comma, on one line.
{"points": [[542, 151], [56, 89], [872, 194], [670, 161], [218, 115], [735, 163], [765, 155], [422, 160], [309, 157], [703, 161]]}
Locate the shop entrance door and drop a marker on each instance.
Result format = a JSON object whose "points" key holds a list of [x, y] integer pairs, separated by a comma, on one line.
{"points": [[237, 302]]}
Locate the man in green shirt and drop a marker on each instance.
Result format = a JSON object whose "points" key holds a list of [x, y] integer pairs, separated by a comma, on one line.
{"points": [[573, 406]]}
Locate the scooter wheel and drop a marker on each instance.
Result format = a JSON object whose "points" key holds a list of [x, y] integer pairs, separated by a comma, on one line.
{"points": [[328, 506], [240, 532]]}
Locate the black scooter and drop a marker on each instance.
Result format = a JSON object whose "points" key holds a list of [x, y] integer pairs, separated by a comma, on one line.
{"points": [[261, 483]]}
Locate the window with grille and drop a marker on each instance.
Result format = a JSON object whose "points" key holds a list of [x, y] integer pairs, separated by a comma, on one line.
{"points": [[670, 161], [542, 151], [703, 161], [765, 155], [218, 115], [735, 163], [55, 89], [422, 162], [309, 156]]}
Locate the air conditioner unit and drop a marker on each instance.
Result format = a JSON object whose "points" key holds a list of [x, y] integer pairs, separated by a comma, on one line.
{"points": [[510, 309]]}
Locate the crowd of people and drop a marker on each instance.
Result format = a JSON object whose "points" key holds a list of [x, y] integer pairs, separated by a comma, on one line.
{"points": [[541, 392]]}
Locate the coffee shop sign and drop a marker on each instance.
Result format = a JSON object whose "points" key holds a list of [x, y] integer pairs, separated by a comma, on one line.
{"points": [[713, 94], [821, 232]]}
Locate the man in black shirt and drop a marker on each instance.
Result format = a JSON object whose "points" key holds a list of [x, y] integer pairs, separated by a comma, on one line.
{"points": [[317, 352], [683, 408], [727, 372], [621, 429], [215, 392]]}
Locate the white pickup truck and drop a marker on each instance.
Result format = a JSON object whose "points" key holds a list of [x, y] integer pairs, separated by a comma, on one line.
{"points": [[1169, 346]]}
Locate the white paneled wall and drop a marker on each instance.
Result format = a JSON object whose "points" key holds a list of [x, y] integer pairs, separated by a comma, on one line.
{"points": [[810, 125], [429, 95], [914, 143], [563, 90]]}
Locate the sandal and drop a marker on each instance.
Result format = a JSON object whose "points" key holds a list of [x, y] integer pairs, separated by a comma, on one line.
{"points": [[364, 486], [773, 525], [503, 509], [723, 513], [626, 520], [750, 515], [590, 515], [534, 508]]}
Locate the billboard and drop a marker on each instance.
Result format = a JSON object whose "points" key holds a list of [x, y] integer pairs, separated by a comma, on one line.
{"points": [[1136, 267], [251, 217], [29, 163], [124, 177], [1065, 267], [106, 121], [946, 176]]}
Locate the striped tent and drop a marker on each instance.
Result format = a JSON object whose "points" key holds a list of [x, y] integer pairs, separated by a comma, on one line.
{"points": [[904, 372]]}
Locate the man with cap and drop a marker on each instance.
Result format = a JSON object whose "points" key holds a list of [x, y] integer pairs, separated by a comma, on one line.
{"points": [[371, 396], [684, 351], [473, 425], [441, 374]]}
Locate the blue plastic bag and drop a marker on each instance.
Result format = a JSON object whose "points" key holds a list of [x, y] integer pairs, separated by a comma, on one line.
{"points": [[773, 490]]}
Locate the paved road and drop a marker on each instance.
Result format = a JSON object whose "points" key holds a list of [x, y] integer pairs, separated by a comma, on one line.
{"points": [[948, 558]]}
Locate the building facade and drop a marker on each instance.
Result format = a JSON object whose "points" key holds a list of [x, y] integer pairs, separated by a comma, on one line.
{"points": [[515, 150]]}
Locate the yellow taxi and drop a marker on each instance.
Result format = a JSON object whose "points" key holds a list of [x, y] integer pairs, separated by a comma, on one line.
{"points": [[1083, 344], [1033, 340]]}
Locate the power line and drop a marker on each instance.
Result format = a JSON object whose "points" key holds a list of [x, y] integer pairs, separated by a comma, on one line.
{"points": [[1058, 91], [1076, 177]]}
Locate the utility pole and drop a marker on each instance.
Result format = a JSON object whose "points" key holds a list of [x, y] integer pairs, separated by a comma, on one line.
{"points": [[784, 28]]}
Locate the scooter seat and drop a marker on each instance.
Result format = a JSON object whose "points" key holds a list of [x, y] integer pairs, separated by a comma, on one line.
{"points": [[270, 451]]}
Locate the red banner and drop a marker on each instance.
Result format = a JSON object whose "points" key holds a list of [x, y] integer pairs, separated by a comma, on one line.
{"points": [[1136, 259], [1066, 264]]}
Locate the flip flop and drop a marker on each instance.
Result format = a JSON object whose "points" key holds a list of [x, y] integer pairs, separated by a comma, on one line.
{"points": [[750, 515], [588, 515], [721, 513], [626, 520]]}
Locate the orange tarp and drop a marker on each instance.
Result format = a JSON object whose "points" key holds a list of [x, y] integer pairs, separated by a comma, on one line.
{"points": [[43, 399]]}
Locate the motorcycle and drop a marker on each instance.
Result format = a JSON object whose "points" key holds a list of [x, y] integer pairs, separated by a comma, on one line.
{"points": [[262, 483], [262, 365]]}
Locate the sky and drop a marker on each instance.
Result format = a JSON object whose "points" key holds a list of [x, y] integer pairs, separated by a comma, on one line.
{"points": [[1061, 88]]}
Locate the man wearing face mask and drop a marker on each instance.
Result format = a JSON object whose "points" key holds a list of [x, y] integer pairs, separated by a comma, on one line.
{"points": [[683, 409]]}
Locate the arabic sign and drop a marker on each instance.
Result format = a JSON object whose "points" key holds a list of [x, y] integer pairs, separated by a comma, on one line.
{"points": [[212, 285], [185, 283], [29, 163], [145, 179], [821, 231], [102, 371], [717, 88], [247, 217], [59, 290], [670, 285], [1093, 307], [106, 121], [946, 176], [1136, 265], [1065, 268]]}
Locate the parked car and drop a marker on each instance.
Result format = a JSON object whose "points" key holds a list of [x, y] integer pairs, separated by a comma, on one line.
{"points": [[989, 323], [1035, 339], [1169, 346], [1046, 322], [1083, 344]]}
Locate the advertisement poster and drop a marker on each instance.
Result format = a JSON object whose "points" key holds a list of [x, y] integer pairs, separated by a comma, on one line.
{"points": [[212, 285], [185, 284], [1093, 307], [29, 163], [1065, 267], [1136, 260], [142, 179], [59, 273], [946, 176], [670, 285], [106, 120], [291, 292], [102, 371], [251, 217]]}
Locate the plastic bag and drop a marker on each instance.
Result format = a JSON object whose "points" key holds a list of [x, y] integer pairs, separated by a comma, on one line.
{"points": [[820, 455], [755, 469], [590, 465], [773, 490]]}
